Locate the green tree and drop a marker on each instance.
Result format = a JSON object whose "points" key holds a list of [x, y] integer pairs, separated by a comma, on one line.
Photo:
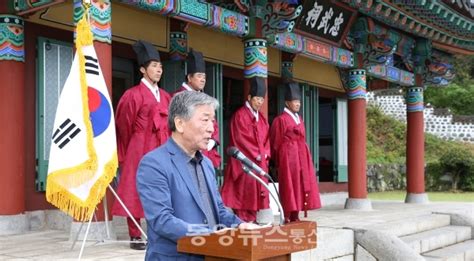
{"points": [[464, 67], [457, 98]]}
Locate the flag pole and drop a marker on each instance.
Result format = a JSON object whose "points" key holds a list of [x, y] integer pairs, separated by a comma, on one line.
{"points": [[128, 212], [85, 237], [77, 236]]}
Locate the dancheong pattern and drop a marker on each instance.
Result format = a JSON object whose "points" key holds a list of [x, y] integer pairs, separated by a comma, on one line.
{"points": [[160, 6], [357, 85], [255, 58], [414, 99], [24, 5], [100, 19], [228, 21], [11, 38], [178, 46]]}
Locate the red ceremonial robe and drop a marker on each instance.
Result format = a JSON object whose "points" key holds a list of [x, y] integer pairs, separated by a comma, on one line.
{"points": [[239, 190], [213, 155], [296, 176], [142, 125]]}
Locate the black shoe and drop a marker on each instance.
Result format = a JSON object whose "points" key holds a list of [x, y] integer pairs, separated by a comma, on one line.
{"points": [[137, 243]]}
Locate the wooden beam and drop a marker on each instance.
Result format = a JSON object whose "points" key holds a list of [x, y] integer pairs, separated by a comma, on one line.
{"points": [[452, 49], [32, 10]]}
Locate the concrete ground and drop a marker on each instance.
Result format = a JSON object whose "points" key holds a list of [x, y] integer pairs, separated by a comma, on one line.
{"points": [[55, 244]]}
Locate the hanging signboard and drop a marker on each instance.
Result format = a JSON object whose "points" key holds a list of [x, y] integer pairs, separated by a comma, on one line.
{"points": [[325, 20]]}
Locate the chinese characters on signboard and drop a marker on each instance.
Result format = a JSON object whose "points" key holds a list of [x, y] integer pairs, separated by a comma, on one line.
{"points": [[324, 19]]}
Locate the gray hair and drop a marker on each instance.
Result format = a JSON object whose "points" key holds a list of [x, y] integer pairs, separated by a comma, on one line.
{"points": [[184, 104]]}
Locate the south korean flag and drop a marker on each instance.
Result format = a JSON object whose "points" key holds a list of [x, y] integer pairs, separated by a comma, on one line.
{"points": [[83, 157]]}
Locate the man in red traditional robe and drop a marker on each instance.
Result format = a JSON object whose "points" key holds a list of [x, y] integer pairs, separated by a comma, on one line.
{"points": [[196, 81], [249, 133], [141, 123], [296, 176]]}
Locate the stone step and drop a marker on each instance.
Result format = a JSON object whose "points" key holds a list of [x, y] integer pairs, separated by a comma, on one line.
{"points": [[463, 251], [342, 258], [327, 249], [437, 238], [415, 225]]}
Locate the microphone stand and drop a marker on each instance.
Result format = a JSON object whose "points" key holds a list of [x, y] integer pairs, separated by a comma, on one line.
{"points": [[280, 208]]}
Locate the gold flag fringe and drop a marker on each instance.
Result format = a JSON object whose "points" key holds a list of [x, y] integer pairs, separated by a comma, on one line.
{"points": [[60, 197], [60, 181]]}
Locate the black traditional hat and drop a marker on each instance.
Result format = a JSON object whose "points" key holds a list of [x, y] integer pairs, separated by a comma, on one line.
{"points": [[145, 52], [257, 87], [195, 62], [292, 91]]}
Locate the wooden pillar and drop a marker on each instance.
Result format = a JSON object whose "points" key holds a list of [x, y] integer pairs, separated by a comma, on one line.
{"points": [[415, 147], [357, 136], [415, 144], [12, 111]]}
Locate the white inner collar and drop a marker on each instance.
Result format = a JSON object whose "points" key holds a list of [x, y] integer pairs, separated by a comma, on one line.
{"points": [[154, 89], [255, 113], [295, 116]]}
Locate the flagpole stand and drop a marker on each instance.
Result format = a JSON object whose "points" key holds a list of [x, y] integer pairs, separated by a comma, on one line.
{"points": [[100, 239], [110, 235], [95, 230], [98, 231], [85, 237], [128, 213]]}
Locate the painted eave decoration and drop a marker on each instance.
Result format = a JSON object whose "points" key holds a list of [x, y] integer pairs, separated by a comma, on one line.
{"points": [[314, 49], [23, 7], [197, 12], [448, 23]]}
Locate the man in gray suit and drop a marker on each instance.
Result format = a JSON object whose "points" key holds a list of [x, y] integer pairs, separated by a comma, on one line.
{"points": [[176, 182]]}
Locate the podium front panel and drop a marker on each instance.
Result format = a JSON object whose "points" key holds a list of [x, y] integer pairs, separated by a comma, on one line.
{"points": [[256, 244]]}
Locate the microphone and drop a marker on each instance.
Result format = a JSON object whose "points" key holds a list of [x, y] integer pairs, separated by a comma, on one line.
{"points": [[248, 166], [234, 152]]}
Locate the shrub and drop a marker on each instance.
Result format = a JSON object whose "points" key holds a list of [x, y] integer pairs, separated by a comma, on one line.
{"points": [[433, 175], [467, 182], [459, 163]]}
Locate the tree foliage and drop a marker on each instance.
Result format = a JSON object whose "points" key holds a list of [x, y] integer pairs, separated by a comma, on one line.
{"points": [[464, 67], [459, 99], [386, 144]]}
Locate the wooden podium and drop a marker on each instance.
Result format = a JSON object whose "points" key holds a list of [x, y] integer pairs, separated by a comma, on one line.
{"points": [[268, 243]]}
